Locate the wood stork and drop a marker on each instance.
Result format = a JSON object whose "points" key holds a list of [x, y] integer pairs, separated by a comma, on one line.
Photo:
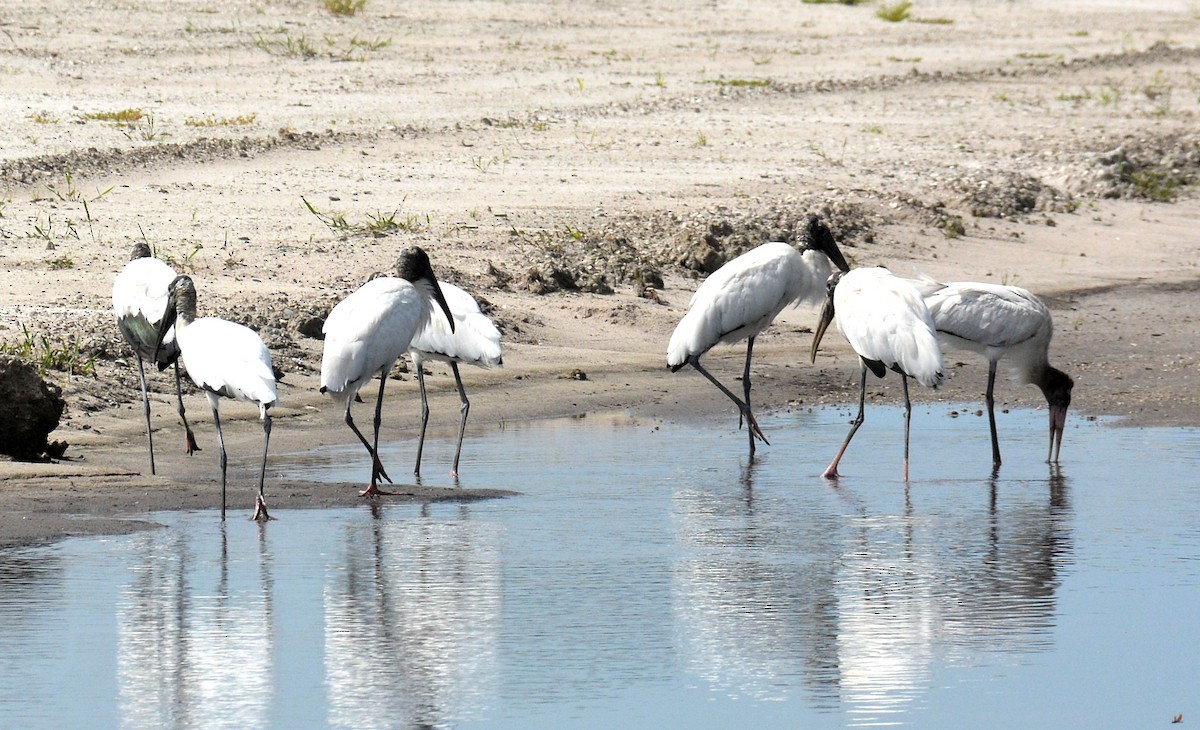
{"points": [[224, 359], [473, 340], [886, 322], [139, 300], [741, 299], [367, 331], [1006, 322]]}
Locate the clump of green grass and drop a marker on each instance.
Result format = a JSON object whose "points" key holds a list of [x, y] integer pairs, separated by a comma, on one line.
{"points": [[144, 128], [894, 13], [835, 2], [288, 46], [345, 8], [1160, 186], [378, 224], [39, 351], [43, 118], [335, 222], [60, 263], [241, 120], [745, 83], [121, 116]]}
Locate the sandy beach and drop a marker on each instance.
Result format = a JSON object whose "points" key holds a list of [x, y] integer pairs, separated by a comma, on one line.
{"points": [[578, 167]]}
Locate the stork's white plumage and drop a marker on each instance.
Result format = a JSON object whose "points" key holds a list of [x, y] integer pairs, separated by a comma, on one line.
{"points": [[473, 341], [741, 299], [1002, 322], [139, 300], [886, 322], [369, 330], [224, 359]]}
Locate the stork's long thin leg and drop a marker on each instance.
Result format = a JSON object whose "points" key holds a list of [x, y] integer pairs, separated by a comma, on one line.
{"points": [[221, 446], [191, 437], [424, 418], [990, 399], [907, 421], [146, 410], [464, 407], [746, 390], [260, 504], [831, 472], [376, 466], [743, 409]]}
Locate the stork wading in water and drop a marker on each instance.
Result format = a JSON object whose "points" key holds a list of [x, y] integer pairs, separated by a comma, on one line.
{"points": [[741, 299], [139, 300], [369, 330], [1002, 322], [224, 359], [886, 322], [474, 340]]}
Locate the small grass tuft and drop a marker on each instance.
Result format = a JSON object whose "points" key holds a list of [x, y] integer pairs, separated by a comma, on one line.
{"points": [[39, 351], [344, 8], [745, 83], [336, 222], [242, 120], [1160, 186], [122, 116], [894, 13]]}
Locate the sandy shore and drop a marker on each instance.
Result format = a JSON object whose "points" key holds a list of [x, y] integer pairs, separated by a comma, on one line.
{"points": [[280, 155]]}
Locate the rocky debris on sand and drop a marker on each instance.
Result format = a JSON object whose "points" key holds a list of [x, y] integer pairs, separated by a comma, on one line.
{"points": [[1154, 168], [1011, 195]]}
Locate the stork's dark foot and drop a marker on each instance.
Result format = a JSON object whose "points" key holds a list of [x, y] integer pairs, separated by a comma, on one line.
{"points": [[380, 472], [191, 443], [754, 429]]}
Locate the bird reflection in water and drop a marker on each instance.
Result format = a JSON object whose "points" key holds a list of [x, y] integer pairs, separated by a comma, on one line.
{"points": [[870, 597], [411, 623], [189, 655]]}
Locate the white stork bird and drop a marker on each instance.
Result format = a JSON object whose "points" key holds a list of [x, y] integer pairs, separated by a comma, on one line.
{"points": [[369, 330], [998, 322], [741, 299], [139, 300], [473, 340], [223, 359], [886, 322]]}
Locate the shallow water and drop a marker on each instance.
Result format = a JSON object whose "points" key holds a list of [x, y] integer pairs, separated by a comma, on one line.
{"points": [[648, 575]]}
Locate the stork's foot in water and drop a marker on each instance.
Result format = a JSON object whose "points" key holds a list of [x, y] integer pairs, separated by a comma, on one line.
{"points": [[831, 472], [746, 417], [260, 510]]}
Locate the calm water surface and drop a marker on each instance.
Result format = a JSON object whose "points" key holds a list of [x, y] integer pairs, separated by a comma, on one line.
{"points": [[649, 576]]}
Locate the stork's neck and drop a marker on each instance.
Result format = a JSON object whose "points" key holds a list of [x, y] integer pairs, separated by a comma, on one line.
{"points": [[185, 306]]}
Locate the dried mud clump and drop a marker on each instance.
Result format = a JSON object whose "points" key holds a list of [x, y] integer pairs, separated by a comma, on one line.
{"points": [[936, 214], [1156, 169], [593, 262], [636, 249], [708, 240], [30, 409], [1013, 196]]}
